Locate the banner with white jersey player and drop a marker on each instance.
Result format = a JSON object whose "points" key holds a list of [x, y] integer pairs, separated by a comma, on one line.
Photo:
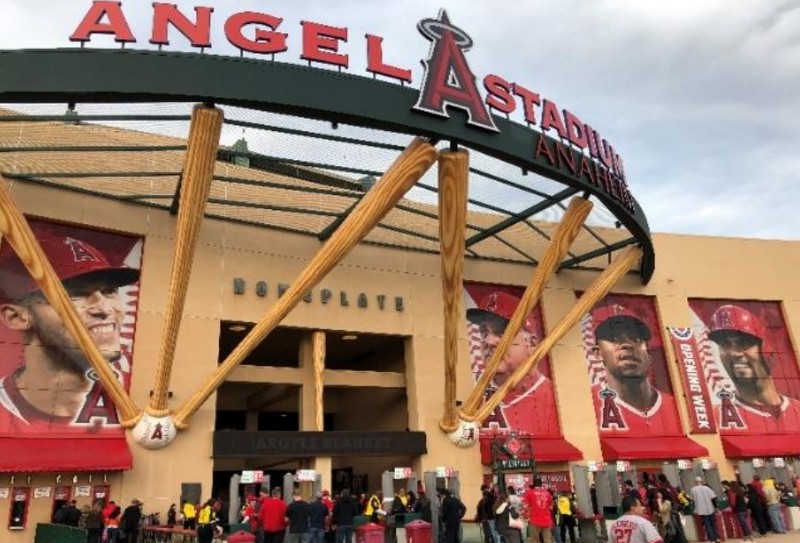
{"points": [[749, 366], [631, 388], [530, 408], [47, 387]]}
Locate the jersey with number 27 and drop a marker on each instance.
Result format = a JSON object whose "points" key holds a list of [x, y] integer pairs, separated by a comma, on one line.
{"points": [[633, 529]]}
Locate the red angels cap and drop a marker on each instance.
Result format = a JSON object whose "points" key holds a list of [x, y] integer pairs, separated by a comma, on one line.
{"points": [[70, 258], [608, 319], [499, 304], [733, 318]]}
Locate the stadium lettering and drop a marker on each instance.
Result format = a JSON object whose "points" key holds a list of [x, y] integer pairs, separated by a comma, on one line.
{"points": [[447, 81]]}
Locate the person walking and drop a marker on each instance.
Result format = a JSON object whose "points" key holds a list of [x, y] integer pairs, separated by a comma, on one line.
{"points": [[508, 520], [317, 516], [539, 504], [757, 508], [451, 511], [705, 507], [632, 527], [131, 520], [344, 511], [298, 514], [94, 524], [566, 517], [738, 500], [773, 498]]}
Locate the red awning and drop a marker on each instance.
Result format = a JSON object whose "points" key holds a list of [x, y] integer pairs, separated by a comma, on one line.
{"points": [[650, 448], [62, 454], [761, 445], [545, 449]]}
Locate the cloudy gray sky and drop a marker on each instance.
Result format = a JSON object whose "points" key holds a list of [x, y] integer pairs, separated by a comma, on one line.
{"points": [[699, 97]]}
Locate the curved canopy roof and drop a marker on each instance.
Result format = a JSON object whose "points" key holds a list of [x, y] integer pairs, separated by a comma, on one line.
{"points": [[297, 167]]}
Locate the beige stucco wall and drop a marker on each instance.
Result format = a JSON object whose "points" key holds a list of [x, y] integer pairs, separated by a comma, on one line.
{"points": [[686, 267]]}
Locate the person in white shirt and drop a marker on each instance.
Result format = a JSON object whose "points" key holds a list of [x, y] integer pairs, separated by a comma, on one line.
{"points": [[705, 507], [632, 527]]}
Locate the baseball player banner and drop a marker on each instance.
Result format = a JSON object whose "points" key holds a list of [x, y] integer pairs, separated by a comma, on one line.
{"points": [[749, 366], [693, 381], [530, 408], [631, 389], [47, 387]]}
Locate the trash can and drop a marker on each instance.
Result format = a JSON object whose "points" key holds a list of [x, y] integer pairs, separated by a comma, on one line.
{"points": [[418, 531], [241, 537], [369, 533], [45, 533]]}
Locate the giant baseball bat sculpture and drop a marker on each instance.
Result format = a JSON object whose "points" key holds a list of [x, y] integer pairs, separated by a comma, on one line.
{"points": [[409, 167], [597, 290], [198, 172], [453, 182], [568, 229], [18, 233]]}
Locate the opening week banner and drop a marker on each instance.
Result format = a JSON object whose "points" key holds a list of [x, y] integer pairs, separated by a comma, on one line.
{"points": [[748, 375], [48, 390]]}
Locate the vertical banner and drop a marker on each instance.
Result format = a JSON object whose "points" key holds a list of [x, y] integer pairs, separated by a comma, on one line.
{"points": [[54, 412], [627, 368], [701, 411], [750, 367]]}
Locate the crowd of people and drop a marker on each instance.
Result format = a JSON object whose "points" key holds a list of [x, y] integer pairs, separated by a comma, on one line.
{"points": [[326, 519], [651, 510]]}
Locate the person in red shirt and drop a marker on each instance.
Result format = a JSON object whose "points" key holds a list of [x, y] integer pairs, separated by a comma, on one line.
{"points": [[272, 517], [539, 506]]}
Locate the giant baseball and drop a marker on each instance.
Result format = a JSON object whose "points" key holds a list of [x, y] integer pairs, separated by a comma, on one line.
{"points": [[154, 432]]}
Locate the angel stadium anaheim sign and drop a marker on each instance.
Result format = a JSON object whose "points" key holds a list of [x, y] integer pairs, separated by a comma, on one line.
{"points": [[579, 151]]}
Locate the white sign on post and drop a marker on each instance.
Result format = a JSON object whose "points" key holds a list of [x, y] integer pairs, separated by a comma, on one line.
{"points": [[306, 475], [42, 492], [403, 473], [779, 462], [592, 465], [684, 464]]}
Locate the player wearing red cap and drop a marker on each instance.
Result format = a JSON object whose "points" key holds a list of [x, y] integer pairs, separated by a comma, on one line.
{"points": [[530, 406], [627, 402], [746, 353], [55, 390]]}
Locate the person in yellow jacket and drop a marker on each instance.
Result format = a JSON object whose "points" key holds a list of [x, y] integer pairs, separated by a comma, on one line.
{"points": [[189, 515], [206, 521], [566, 517], [374, 505]]}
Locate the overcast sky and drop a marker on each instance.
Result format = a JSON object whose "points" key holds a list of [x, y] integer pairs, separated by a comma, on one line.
{"points": [[701, 98]]}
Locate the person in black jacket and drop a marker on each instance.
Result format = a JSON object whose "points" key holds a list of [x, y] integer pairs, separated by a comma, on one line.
{"points": [[451, 512], [344, 510], [72, 515], [423, 507], [130, 521]]}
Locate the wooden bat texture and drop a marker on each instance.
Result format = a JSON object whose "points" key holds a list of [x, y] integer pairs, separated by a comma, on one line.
{"points": [[318, 358], [18, 233], [596, 291], [453, 185], [409, 167], [568, 229], [198, 172]]}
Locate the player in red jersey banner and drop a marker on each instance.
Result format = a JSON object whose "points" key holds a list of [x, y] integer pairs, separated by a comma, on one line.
{"points": [[47, 387], [631, 389], [749, 365], [530, 407]]}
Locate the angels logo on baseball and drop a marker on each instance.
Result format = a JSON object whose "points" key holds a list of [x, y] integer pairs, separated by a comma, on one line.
{"points": [[154, 432], [465, 435]]}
